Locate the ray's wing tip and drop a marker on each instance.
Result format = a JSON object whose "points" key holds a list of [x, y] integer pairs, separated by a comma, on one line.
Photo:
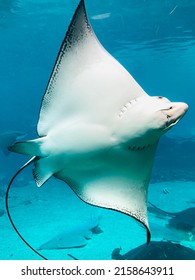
{"points": [[82, 2], [80, 5]]}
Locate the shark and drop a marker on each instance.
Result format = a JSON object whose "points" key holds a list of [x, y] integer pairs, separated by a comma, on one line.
{"points": [[98, 129], [75, 236]]}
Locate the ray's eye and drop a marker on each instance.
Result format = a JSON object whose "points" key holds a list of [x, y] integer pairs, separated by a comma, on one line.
{"points": [[170, 108], [160, 97]]}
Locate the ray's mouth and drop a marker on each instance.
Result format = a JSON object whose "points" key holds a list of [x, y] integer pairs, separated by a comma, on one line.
{"points": [[171, 122], [174, 114]]}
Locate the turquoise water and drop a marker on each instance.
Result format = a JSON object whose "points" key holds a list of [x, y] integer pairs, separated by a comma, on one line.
{"points": [[155, 41]]}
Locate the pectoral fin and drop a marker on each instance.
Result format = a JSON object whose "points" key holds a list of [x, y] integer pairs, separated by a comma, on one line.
{"points": [[31, 147]]}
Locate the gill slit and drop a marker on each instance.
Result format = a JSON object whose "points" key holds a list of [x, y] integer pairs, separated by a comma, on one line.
{"points": [[138, 148], [126, 107]]}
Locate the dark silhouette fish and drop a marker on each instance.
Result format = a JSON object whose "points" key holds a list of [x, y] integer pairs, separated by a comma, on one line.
{"points": [[156, 250]]}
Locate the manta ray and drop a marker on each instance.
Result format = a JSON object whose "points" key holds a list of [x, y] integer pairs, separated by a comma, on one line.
{"points": [[98, 129], [182, 220]]}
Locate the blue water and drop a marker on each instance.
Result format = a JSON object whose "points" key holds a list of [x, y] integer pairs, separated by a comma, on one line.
{"points": [[154, 40]]}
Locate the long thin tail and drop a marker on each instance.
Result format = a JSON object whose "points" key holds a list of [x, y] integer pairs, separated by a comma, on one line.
{"points": [[7, 207]]}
